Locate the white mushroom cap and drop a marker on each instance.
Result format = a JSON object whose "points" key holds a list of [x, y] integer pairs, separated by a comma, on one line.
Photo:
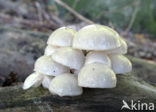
{"points": [[46, 65], [65, 85], [62, 37], [49, 50], [69, 57], [119, 50], [96, 37], [33, 80], [99, 57], [120, 64], [46, 81], [96, 75]]}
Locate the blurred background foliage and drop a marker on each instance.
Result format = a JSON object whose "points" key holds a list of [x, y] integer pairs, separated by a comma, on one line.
{"points": [[139, 15]]}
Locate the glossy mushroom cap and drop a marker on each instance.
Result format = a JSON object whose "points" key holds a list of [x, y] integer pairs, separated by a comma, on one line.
{"points": [[47, 66], [119, 50], [61, 37], [65, 85], [96, 37], [69, 57], [96, 75], [33, 80], [98, 57], [49, 50], [120, 64]]}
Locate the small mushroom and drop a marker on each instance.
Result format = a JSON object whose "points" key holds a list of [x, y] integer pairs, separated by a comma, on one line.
{"points": [[96, 75], [65, 85], [72, 58], [119, 50], [49, 50], [33, 80], [99, 57], [46, 81], [96, 37], [120, 64], [47, 66], [61, 37]]}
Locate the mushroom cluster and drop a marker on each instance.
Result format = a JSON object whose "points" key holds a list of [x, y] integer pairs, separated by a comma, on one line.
{"points": [[88, 58]]}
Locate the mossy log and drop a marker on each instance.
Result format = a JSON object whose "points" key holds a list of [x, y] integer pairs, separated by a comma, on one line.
{"points": [[138, 85]]}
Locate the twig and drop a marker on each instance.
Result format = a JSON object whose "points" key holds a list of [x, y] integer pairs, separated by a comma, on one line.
{"points": [[117, 10], [59, 2], [51, 16], [75, 3], [39, 11], [132, 18], [32, 23]]}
